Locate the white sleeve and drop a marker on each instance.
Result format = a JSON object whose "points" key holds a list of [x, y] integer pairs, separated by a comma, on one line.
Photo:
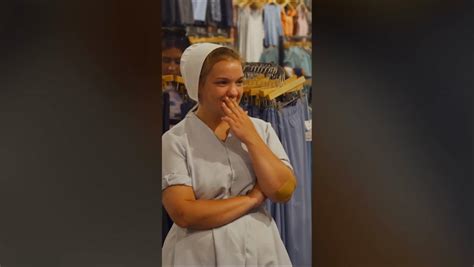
{"points": [[174, 170], [275, 145]]}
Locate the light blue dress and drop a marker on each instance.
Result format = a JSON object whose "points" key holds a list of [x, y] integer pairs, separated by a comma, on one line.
{"points": [[193, 156], [272, 24]]}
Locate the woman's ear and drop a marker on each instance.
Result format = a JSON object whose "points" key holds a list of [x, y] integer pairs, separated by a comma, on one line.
{"points": [[199, 92]]}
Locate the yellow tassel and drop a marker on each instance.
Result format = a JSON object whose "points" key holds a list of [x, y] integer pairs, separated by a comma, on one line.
{"points": [[285, 191]]}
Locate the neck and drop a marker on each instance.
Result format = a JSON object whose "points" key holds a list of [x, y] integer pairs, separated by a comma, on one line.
{"points": [[211, 120]]}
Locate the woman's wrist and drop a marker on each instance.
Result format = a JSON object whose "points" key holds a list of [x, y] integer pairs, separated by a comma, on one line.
{"points": [[252, 201], [254, 142]]}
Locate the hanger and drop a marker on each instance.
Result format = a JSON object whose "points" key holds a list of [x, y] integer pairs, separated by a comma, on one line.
{"points": [[304, 44], [290, 101], [167, 78], [257, 4], [303, 41], [265, 91], [282, 2], [289, 86], [260, 83], [242, 3], [294, 3], [254, 84], [172, 78], [303, 5], [179, 79], [261, 77]]}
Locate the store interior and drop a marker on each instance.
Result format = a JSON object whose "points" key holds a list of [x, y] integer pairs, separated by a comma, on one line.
{"points": [[274, 39]]}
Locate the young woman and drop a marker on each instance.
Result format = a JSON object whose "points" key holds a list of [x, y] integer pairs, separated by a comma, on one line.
{"points": [[219, 165]]}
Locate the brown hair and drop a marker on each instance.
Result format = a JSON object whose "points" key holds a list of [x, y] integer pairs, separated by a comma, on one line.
{"points": [[218, 54]]}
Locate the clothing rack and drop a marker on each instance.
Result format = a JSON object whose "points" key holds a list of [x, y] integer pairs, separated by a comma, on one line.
{"points": [[265, 85], [221, 40]]}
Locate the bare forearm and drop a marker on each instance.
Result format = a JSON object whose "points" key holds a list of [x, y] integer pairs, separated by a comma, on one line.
{"points": [[272, 174], [207, 214], [275, 179]]}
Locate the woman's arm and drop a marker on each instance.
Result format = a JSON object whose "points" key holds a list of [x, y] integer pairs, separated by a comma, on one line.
{"points": [[187, 212], [274, 177]]}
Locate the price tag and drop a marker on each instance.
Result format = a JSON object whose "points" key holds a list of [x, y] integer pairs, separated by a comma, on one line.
{"points": [[308, 130], [308, 136], [308, 125]]}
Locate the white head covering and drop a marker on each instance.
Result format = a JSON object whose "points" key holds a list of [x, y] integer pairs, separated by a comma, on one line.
{"points": [[191, 64]]}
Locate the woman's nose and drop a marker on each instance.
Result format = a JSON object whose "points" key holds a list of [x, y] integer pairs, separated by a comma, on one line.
{"points": [[233, 91]]}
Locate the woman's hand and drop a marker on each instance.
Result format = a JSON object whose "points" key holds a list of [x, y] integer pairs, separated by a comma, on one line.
{"points": [[257, 195], [240, 124]]}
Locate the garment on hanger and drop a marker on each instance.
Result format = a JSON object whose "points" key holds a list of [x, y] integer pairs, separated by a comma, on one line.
{"points": [[287, 20], [251, 33], [216, 11], [309, 15], [185, 9], [308, 4], [242, 27], [255, 35], [175, 101], [168, 13], [269, 55], [209, 21], [227, 13], [297, 57], [301, 21], [296, 214], [272, 24], [235, 12], [199, 10]]}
